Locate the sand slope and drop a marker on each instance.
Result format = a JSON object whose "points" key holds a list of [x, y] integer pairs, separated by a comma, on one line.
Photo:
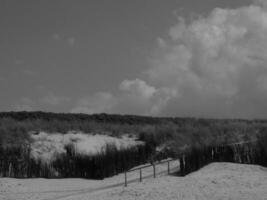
{"points": [[217, 181]]}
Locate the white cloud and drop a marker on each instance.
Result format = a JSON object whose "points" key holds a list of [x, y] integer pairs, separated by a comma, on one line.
{"points": [[214, 66], [137, 87], [214, 63], [134, 97], [137, 97]]}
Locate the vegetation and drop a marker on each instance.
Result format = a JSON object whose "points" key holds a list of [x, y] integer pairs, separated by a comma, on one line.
{"points": [[162, 136], [17, 162], [15, 126], [246, 153]]}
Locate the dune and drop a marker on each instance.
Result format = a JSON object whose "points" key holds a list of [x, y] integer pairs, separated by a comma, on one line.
{"points": [[216, 181]]}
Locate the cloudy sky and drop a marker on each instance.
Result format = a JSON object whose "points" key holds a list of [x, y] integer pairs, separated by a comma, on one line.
{"points": [[193, 58]]}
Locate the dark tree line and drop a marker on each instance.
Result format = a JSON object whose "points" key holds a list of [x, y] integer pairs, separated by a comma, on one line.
{"points": [[120, 119]]}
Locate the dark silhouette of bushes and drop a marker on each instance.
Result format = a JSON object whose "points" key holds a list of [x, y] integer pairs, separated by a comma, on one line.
{"points": [[245, 153], [17, 162], [15, 126], [173, 135]]}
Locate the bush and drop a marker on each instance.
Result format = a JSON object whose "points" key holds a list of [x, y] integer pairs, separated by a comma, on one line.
{"points": [[17, 162]]}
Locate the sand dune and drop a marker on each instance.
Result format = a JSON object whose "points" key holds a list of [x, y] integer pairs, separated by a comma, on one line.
{"points": [[216, 181]]}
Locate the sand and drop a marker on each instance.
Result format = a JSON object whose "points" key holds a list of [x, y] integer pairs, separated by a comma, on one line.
{"points": [[217, 181]]}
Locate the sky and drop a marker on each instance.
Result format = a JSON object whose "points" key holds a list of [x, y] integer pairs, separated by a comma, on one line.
{"points": [[183, 58]]}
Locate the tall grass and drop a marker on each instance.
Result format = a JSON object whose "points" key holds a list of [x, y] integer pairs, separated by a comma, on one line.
{"points": [[247, 153], [17, 162]]}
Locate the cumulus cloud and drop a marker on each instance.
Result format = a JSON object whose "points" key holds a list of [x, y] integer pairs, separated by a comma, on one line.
{"points": [[137, 97], [217, 64], [137, 87], [134, 97], [214, 66]]}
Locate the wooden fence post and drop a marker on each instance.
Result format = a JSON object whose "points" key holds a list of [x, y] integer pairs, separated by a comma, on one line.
{"points": [[168, 167], [125, 179], [154, 170], [140, 174]]}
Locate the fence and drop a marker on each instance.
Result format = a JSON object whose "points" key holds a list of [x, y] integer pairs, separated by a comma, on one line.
{"points": [[246, 152], [147, 166], [195, 159]]}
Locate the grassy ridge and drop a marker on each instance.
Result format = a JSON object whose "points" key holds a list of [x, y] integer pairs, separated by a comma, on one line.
{"points": [[15, 126]]}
